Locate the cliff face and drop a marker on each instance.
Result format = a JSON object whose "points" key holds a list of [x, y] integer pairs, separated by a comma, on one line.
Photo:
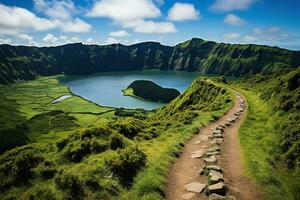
{"points": [[25, 63]]}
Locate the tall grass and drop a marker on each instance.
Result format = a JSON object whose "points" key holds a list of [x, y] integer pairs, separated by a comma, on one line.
{"points": [[259, 142]]}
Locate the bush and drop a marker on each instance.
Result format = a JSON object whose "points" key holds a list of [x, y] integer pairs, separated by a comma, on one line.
{"points": [[38, 192], [16, 166], [126, 163], [69, 184], [129, 127], [47, 169], [116, 142]]}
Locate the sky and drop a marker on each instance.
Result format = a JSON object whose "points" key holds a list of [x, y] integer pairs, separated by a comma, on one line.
{"points": [[57, 22]]}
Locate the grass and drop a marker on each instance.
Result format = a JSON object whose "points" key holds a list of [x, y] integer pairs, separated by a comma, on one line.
{"points": [[27, 105], [261, 129], [77, 161]]}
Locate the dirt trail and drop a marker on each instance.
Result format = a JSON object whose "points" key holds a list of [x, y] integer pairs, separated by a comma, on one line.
{"points": [[186, 169]]}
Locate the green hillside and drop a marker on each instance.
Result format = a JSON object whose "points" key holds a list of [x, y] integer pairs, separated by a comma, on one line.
{"points": [[272, 124], [149, 90], [26, 63], [102, 155]]}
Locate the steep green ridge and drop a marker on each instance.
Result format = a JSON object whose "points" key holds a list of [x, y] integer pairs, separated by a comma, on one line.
{"points": [[149, 90], [25, 63], [100, 159], [272, 124]]}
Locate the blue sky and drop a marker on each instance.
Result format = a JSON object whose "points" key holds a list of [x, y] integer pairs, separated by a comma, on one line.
{"points": [[56, 22]]}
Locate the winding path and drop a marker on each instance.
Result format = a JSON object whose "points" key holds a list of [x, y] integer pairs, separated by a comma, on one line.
{"points": [[186, 169]]}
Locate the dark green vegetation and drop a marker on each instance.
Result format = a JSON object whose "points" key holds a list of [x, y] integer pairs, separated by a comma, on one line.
{"points": [[149, 90], [123, 154], [272, 124], [26, 63]]}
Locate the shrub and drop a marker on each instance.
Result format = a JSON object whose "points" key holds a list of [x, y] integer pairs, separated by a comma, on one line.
{"points": [[129, 127], [116, 142], [69, 184], [76, 151], [38, 192], [126, 163], [47, 169]]}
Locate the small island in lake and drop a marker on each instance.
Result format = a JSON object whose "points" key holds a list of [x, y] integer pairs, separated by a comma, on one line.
{"points": [[148, 90]]}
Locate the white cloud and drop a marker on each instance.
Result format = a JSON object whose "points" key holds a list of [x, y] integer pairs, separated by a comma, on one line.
{"points": [[249, 38], [75, 40], [183, 12], [5, 41], [56, 9], [90, 41], [111, 40], [61, 12], [15, 20], [75, 26], [132, 14], [120, 33], [129, 10], [229, 5], [231, 36], [26, 37], [234, 20], [154, 27], [50, 39]]}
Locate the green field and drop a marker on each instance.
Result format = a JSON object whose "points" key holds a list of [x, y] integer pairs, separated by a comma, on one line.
{"points": [[27, 111]]}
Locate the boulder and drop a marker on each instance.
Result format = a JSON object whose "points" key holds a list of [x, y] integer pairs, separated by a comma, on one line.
{"points": [[218, 188], [195, 187]]}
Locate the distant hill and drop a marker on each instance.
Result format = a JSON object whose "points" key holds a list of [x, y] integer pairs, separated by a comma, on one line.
{"points": [[25, 63], [149, 90]]}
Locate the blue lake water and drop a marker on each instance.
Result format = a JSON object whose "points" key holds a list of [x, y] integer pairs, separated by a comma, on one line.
{"points": [[106, 88]]}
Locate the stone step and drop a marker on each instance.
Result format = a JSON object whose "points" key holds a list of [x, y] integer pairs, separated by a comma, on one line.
{"points": [[195, 187], [210, 160], [218, 188]]}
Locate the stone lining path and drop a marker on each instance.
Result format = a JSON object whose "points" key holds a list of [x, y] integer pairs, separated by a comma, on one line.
{"points": [[209, 166]]}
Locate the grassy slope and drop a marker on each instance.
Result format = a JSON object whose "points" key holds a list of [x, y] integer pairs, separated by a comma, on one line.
{"points": [[264, 128], [75, 166], [150, 183]]}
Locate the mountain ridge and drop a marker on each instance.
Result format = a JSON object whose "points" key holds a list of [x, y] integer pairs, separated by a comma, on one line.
{"points": [[207, 57]]}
